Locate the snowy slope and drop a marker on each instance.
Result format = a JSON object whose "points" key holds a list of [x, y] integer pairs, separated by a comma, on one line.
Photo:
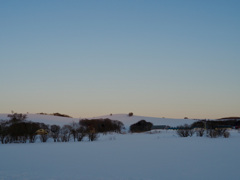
{"points": [[156, 121], [127, 121], [47, 119]]}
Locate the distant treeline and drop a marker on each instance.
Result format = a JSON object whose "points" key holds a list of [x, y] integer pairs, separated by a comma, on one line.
{"points": [[212, 129], [56, 114], [217, 124], [103, 125]]}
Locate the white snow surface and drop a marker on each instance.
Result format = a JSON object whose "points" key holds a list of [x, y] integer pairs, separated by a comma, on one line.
{"points": [[138, 156], [124, 157], [127, 121]]}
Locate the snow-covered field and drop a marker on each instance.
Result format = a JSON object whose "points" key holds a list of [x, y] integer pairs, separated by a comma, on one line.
{"points": [[128, 156], [124, 157]]}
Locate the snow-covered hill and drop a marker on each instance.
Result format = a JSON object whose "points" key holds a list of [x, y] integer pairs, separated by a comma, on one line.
{"points": [[47, 119], [127, 121]]}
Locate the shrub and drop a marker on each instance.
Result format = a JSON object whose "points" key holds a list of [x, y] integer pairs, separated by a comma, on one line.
{"points": [[200, 132], [213, 133], [130, 114], [185, 131], [220, 132], [141, 126], [226, 134]]}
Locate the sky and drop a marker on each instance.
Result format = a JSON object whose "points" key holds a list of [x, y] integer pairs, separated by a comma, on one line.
{"points": [[154, 58]]}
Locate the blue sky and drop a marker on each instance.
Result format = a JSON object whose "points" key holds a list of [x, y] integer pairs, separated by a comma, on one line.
{"points": [[89, 58]]}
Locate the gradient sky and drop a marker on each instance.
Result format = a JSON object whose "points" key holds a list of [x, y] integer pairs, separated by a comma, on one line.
{"points": [[88, 58]]}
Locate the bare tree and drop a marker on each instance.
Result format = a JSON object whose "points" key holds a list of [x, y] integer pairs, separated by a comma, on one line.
{"points": [[55, 130], [81, 133], [15, 117], [92, 134], [44, 137], [65, 133], [74, 128], [3, 131], [31, 128]]}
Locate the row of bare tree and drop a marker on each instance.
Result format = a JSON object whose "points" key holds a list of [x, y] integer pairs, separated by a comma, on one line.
{"points": [[18, 130], [188, 131]]}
